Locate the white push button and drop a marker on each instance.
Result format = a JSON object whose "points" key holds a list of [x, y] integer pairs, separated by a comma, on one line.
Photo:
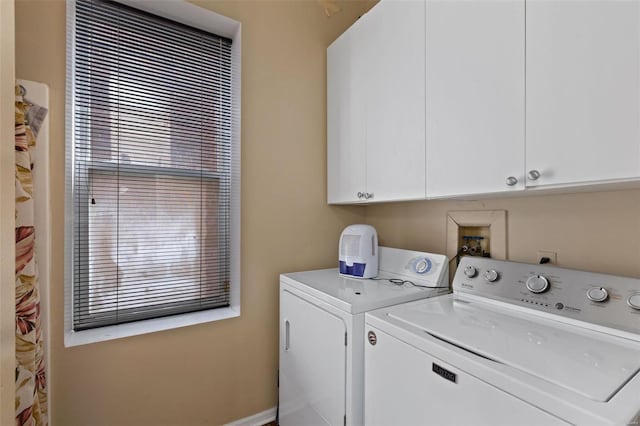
{"points": [[634, 301], [597, 294]]}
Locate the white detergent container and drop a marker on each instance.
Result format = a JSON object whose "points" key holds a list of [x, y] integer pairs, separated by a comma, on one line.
{"points": [[358, 251]]}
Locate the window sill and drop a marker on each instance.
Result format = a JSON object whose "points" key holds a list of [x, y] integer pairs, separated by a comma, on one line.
{"points": [[102, 334]]}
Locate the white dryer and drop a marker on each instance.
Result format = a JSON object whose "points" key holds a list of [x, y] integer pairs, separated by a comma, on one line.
{"points": [[514, 344], [322, 332]]}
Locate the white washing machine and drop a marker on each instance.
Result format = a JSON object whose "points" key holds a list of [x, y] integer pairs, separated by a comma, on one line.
{"points": [[514, 344], [322, 332]]}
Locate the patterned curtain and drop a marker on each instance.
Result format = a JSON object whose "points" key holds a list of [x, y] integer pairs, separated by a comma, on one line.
{"points": [[31, 397]]}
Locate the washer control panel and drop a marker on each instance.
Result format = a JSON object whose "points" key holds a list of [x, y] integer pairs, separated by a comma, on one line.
{"points": [[606, 300]]}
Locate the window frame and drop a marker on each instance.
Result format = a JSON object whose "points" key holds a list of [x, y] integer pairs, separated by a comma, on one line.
{"points": [[200, 18]]}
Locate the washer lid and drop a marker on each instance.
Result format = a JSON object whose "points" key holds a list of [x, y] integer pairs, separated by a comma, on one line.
{"points": [[357, 295], [589, 363]]}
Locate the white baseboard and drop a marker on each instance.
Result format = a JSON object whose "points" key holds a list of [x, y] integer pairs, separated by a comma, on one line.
{"points": [[258, 419]]}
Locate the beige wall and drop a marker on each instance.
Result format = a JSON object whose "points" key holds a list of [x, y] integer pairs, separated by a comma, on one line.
{"points": [[7, 215], [217, 372], [592, 231], [213, 373]]}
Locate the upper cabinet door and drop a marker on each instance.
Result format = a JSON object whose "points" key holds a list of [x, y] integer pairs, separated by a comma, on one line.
{"points": [[583, 90], [395, 100], [474, 96], [346, 117]]}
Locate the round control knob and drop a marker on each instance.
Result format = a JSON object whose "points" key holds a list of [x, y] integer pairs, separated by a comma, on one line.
{"points": [[511, 180], [597, 294], [537, 284], [634, 301], [470, 271], [423, 266], [491, 275]]}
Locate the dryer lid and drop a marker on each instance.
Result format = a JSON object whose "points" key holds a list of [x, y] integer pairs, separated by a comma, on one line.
{"points": [[589, 363], [356, 296]]}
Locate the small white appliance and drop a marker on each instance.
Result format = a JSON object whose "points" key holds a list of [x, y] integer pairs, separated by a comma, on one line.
{"points": [[358, 251], [514, 344], [321, 377]]}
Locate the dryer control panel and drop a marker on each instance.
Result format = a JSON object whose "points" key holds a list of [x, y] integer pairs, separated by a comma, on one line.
{"points": [[425, 269], [600, 299]]}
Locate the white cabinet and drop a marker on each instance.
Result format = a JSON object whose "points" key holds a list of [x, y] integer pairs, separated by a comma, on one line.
{"points": [[376, 104], [583, 90], [457, 98], [474, 96], [581, 94]]}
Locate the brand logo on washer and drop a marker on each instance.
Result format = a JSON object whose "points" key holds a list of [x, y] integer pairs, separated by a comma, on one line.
{"points": [[373, 339], [441, 371]]}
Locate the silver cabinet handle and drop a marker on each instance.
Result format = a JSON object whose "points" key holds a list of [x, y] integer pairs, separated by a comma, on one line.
{"points": [[286, 335], [512, 180], [533, 174]]}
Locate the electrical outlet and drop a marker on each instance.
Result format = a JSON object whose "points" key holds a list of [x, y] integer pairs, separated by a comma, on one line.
{"points": [[552, 255]]}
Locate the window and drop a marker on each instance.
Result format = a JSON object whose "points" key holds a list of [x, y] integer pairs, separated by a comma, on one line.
{"points": [[152, 163]]}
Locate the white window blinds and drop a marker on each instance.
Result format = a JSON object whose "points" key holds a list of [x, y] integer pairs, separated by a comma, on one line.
{"points": [[151, 166]]}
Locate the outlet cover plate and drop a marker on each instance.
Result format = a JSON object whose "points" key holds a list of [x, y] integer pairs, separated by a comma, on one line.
{"points": [[552, 255]]}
